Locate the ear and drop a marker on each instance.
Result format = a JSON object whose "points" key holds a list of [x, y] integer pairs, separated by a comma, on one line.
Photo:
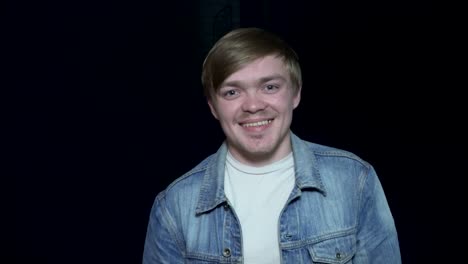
{"points": [[297, 97], [212, 108]]}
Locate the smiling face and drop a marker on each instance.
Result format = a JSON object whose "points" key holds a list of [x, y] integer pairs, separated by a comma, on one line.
{"points": [[254, 106]]}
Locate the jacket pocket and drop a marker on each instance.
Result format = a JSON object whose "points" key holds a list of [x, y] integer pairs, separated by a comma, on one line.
{"points": [[335, 250]]}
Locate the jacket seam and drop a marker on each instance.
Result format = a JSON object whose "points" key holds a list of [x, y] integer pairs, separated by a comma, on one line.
{"points": [[342, 154], [171, 227], [321, 238], [363, 179]]}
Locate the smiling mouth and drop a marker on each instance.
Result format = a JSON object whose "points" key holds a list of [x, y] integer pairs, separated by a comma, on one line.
{"points": [[257, 124]]}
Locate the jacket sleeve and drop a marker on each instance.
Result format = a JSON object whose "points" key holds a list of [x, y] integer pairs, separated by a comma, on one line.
{"points": [[377, 240], [162, 244]]}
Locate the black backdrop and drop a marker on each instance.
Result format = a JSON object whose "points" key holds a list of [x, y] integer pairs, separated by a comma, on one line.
{"points": [[110, 110]]}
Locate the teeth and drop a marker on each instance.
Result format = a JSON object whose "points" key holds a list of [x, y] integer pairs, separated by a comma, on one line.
{"points": [[261, 123]]}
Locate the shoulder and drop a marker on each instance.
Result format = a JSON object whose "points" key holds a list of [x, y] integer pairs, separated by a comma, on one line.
{"points": [[188, 184], [331, 163], [337, 169], [328, 153], [342, 164]]}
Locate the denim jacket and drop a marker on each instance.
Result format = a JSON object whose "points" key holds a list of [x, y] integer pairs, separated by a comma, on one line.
{"points": [[336, 213]]}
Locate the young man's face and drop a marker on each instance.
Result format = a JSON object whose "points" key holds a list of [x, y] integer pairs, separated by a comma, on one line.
{"points": [[254, 106]]}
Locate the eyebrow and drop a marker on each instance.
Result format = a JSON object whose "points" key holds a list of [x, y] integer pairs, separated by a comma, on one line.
{"points": [[272, 78], [265, 79]]}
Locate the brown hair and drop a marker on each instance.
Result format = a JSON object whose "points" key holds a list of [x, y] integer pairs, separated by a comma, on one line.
{"points": [[240, 47]]}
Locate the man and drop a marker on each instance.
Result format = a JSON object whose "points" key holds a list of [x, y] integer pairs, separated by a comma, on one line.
{"points": [[267, 196]]}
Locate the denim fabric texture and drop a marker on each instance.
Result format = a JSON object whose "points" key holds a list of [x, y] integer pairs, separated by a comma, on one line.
{"points": [[337, 212]]}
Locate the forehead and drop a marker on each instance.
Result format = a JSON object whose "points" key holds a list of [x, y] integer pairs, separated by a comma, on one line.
{"points": [[259, 69]]}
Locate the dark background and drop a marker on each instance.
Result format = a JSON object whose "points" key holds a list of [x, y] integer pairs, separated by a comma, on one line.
{"points": [[109, 110]]}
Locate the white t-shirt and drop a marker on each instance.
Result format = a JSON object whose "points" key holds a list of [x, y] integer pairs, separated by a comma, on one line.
{"points": [[258, 195]]}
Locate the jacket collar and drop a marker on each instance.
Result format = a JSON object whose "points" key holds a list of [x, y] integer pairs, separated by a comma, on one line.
{"points": [[305, 165], [212, 189]]}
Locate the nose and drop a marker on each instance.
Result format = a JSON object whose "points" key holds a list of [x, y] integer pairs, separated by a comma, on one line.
{"points": [[253, 103]]}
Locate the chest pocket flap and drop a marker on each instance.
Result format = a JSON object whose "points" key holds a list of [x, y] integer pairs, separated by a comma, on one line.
{"points": [[336, 250]]}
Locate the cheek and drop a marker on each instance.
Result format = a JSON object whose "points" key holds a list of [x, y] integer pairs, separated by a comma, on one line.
{"points": [[226, 113], [283, 105]]}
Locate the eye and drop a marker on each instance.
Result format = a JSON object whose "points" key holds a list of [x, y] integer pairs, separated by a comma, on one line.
{"points": [[270, 88], [230, 94]]}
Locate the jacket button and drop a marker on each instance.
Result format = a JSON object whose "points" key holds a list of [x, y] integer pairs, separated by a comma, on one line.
{"points": [[338, 255], [227, 252]]}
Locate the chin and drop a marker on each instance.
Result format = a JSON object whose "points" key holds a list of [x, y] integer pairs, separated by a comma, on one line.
{"points": [[259, 150]]}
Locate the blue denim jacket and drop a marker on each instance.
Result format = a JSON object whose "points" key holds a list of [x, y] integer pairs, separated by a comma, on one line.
{"points": [[336, 213]]}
